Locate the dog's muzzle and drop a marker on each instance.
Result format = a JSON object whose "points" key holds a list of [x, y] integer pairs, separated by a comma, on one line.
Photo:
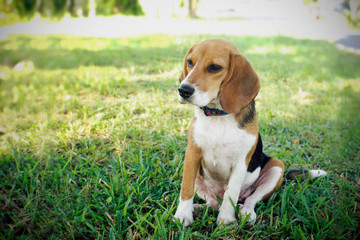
{"points": [[186, 91]]}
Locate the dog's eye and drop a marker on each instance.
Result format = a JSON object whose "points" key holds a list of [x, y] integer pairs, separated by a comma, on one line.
{"points": [[214, 68], [190, 63]]}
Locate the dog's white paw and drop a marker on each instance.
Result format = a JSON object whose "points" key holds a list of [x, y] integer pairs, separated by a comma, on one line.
{"points": [[225, 220], [226, 216], [184, 217], [245, 211], [184, 212]]}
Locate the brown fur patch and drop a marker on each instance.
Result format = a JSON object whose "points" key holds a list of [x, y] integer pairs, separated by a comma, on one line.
{"points": [[193, 156], [247, 119], [185, 72], [251, 152], [241, 88], [203, 55], [252, 128]]}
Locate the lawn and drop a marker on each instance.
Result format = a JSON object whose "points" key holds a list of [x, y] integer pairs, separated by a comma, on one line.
{"points": [[92, 138]]}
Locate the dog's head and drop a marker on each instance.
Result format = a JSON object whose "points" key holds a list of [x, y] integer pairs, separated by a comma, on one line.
{"points": [[215, 71]]}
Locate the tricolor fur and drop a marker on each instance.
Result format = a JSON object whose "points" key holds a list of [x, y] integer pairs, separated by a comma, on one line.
{"points": [[224, 157]]}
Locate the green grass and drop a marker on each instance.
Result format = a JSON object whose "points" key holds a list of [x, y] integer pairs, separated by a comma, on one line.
{"points": [[93, 138]]}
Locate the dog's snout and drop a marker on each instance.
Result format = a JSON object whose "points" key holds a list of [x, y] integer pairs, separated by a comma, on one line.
{"points": [[186, 91]]}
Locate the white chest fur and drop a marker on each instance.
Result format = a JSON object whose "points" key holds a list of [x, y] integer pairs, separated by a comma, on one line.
{"points": [[223, 143]]}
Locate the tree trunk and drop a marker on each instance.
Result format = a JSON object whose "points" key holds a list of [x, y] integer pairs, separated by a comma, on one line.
{"points": [[192, 8]]}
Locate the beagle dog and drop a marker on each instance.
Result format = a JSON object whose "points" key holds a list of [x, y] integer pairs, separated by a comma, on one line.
{"points": [[224, 157]]}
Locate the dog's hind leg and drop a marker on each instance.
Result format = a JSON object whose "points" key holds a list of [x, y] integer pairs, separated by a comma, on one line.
{"points": [[270, 180]]}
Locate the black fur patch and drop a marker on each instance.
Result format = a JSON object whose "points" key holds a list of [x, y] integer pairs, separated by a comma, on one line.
{"points": [[258, 159], [201, 171], [248, 115]]}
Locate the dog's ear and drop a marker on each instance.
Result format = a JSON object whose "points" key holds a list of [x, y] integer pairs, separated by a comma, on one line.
{"points": [[240, 86], [184, 72]]}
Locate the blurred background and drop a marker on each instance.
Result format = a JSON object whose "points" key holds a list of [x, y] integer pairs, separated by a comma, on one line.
{"points": [[314, 19]]}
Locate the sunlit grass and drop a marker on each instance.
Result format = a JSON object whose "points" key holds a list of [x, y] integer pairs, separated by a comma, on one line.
{"points": [[93, 138]]}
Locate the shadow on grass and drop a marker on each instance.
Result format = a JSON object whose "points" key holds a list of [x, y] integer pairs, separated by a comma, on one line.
{"points": [[347, 131], [58, 55], [67, 53], [317, 139]]}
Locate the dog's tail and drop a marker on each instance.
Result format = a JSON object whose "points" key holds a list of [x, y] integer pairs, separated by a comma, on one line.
{"points": [[305, 174]]}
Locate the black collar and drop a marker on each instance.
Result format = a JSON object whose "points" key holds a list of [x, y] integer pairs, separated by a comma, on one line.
{"points": [[213, 111]]}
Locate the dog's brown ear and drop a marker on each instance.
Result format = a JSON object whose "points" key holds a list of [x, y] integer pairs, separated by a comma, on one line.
{"points": [[240, 86], [184, 72]]}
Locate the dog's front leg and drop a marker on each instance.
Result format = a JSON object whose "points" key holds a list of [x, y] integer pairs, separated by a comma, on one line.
{"points": [[185, 208], [227, 211], [193, 155]]}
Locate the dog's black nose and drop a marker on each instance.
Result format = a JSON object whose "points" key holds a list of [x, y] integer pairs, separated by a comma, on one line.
{"points": [[186, 91]]}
